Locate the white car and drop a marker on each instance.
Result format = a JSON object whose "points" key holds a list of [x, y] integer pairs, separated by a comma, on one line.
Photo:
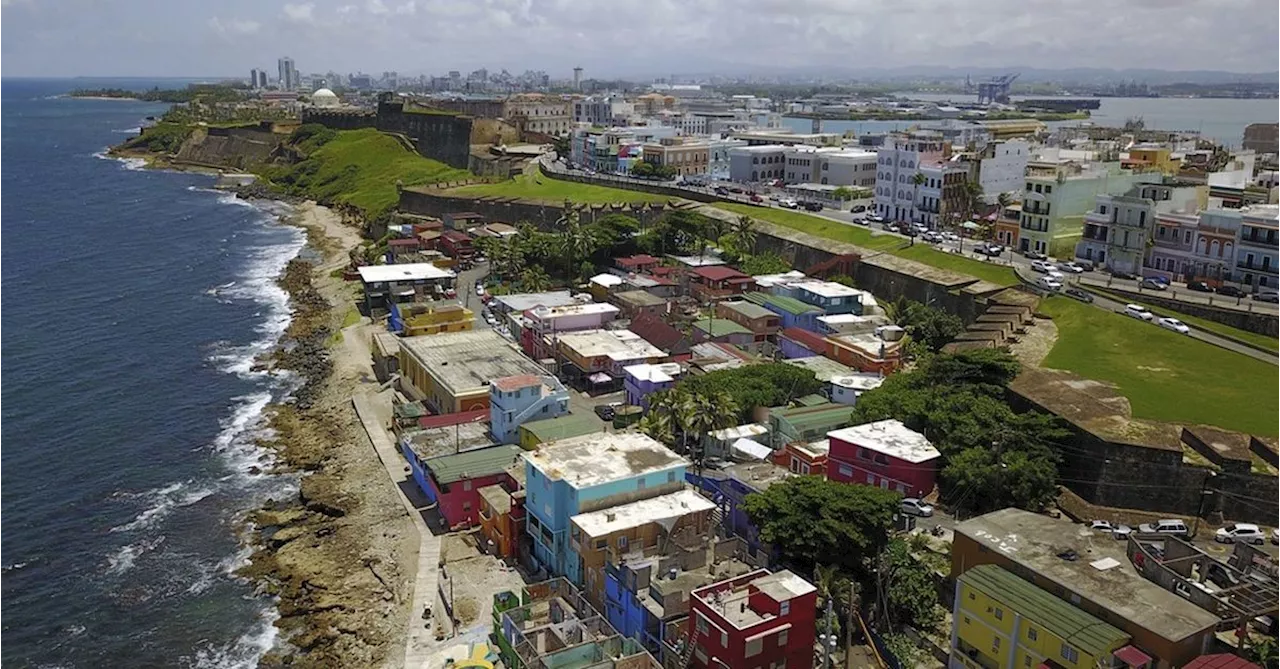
{"points": [[1042, 266], [1050, 283], [1116, 530], [1138, 312], [1071, 267], [914, 507], [1174, 324], [479, 290], [788, 204], [1244, 532]]}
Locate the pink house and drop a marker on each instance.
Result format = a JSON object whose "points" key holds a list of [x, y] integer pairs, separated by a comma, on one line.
{"points": [[884, 453]]}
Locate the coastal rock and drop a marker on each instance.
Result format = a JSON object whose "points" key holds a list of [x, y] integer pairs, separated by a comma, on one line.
{"points": [[287, 534]]}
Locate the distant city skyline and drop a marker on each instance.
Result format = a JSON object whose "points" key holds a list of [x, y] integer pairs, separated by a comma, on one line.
{"points": [[635, 38]]}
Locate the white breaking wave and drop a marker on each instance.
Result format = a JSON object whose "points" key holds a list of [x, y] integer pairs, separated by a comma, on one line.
{"points": [[133, 164], [244, 652], [128, 131], [124, 559], [164, 501]]}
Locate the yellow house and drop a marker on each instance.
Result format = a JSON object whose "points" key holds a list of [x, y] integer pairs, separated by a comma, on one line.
{"points": [[421, 319], [451, 371], [1003, 622], [1152, 159]]}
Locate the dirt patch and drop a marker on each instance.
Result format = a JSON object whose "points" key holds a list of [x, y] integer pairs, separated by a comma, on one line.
{"points": [[1153, 369]]}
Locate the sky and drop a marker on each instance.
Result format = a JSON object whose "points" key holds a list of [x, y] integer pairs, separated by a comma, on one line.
{"points": [[610, 38]]}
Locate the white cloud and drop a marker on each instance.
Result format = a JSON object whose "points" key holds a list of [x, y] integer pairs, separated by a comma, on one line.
{"points": [[375, 7], [234, 27], [408, 9], [300, 13]]}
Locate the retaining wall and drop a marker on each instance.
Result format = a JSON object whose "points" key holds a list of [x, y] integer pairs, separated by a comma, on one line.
{"points": [[1258, 322]]}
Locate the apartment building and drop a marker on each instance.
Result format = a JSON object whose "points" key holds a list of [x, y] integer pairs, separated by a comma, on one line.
{"points": [[999, 167], [451, 372], [516, 400], [687, 158], [1256, 261], [1116, 232], [885, 453], [602, 111], [899, 161], [760, 619], [535, 112], [1056, 196]]}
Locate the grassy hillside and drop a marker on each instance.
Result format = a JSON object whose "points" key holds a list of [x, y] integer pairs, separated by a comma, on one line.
{"points": [[542, 187], [359, 167], [1166, 376], [862, 236]]}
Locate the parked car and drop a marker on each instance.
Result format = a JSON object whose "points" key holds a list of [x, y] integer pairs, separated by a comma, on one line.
{"points": [[1101, 526], [1069, 266], [1229, 291], [756, 198], [859, 208], [1041, 266], [479, 290], [1079, 295], [1174, 527], [1034, 255], [992, 250], [735, 190], [1049, 283], [813, 206], [865, 220], [1119, 274], [931, 236], [1153, 283], [1174, 324], [1138, 312], [875, 218], [1117, 531], [1243, 532], [787, 203], [915, 507], [1200, 287], [605, 412], [1267, 296], [1086, 264], [721, 190], [450, 293]]}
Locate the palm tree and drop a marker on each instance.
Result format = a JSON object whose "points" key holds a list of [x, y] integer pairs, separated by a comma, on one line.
{"points": [[742, 234], [577, 241], [917, 180], [1004, 199], [657, 425], [534, 279]]}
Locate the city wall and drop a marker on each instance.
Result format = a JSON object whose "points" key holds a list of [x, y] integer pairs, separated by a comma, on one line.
{"points": [[238, 148]]}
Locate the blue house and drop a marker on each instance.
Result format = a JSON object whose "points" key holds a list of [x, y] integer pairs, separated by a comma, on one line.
{"points": [[830, 297], [516, 400], [793, 312], [731, 485], [589, 473]]}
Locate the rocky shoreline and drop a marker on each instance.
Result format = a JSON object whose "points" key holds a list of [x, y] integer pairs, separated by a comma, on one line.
{"points": [[341, 593]]}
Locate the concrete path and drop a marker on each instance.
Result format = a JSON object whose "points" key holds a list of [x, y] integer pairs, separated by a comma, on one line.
{"points": [[420, 641]]}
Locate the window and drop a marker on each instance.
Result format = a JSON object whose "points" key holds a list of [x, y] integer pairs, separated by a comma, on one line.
{"points": [[671, 477], [1031, 633], [784, 608], [622, 543], [640, 484], [1026, 660], [1069, 654], [466, 485], [601, 544], [999, 613], [724, 639], [754, 648], [972, 597], [466, 506], [846, 470], [702, 624], [966, 618], [871, 478], [995, 644], [782, 637]]}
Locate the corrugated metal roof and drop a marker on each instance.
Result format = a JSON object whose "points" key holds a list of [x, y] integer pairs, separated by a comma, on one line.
{"points": [[564, 427], [1083, 631], [448, 469]]}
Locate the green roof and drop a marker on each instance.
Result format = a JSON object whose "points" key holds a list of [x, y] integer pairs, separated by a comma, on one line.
{"points": [[788, 304], [748, 309], [809, 418], [448, 469], [811, 400], [717, 327], [564, 427], [1083, 631]]}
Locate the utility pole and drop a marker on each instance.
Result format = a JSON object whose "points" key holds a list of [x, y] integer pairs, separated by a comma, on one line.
{"points": [[828, 641]]}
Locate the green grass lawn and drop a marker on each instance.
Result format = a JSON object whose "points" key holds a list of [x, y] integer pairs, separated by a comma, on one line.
{"points": [[862, 236], [542, 187], [361, 167], [1261, 340], [1165, 375]]}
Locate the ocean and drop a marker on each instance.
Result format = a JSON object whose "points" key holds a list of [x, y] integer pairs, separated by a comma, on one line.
{"points": [[134, 303], [1221, 120]]}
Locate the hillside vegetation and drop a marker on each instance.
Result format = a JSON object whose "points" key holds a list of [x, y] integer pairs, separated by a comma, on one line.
{"points": [[356, 167]]}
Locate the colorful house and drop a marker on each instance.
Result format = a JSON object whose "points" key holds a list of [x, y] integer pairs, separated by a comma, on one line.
{"points": [[458, 245], [385, 285], [594, 359], [502, 514], [759, 320], [545, 325], [454, 481], [794, 313], [588, 473], [799, 344], [516, 400], [640, 263], [1004, 622], [755, 620], [415, 320], [830, 297], [729, 488], [806, 424], [450, 372], [804, 459], [644, 379], [716, 282], [724, 331], [885, 453]]}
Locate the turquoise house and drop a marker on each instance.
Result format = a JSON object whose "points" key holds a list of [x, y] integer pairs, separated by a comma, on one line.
{"points": [[590, 473]]}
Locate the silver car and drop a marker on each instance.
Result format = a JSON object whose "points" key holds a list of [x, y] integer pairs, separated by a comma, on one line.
{"points": [[915, 507]]}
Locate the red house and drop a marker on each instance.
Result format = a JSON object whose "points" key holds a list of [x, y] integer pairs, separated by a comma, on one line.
{"points": [[458, 245], [756, 620], [454, 481], [717, 282], [884, 453], [637, 263]]}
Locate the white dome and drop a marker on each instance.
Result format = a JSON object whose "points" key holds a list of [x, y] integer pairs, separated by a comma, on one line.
{"points": [[324, 98]]}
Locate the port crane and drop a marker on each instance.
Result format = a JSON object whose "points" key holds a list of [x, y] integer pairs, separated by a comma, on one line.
{"points": [[996, 89]]}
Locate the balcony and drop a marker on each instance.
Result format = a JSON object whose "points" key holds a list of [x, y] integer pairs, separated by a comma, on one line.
{"points": [[1269, 268]]}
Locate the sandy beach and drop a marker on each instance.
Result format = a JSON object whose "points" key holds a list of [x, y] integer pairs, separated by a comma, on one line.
{"points": [[341, 557]]}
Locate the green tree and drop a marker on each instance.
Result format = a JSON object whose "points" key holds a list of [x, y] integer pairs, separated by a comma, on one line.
{"points": [[658, 425], [534, 279], [577, 242], [742, 236], [987, 479], [917, 180], [763, 263], [767, 385], [843, 193], [931, 326], [812, 520], [642, 168], [909, 594], [700, 413]]}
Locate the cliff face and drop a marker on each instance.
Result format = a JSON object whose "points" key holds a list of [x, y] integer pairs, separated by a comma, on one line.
{"points": [[236, 148]]}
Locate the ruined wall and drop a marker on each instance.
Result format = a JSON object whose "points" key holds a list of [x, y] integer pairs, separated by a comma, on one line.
{"points": [[340, 119], [237, 148]]}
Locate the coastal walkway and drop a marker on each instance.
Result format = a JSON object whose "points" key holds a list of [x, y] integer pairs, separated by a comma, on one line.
{"points": [[421, 647]]}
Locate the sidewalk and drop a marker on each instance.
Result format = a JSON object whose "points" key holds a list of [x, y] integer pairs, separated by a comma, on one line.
{"points": [[420, 640]]}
